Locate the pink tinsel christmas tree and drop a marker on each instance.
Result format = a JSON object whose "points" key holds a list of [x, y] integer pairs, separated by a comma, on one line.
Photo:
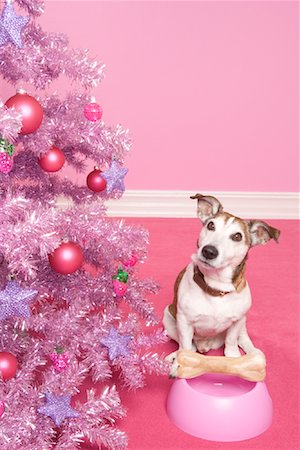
{"points": [[65, 324]]}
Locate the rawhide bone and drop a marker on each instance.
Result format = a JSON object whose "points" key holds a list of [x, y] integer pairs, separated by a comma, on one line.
{"points": [[251, 367]]}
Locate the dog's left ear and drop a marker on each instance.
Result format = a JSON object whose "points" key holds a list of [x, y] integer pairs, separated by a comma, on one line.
{"points": [[261, 232], [207, 207]]}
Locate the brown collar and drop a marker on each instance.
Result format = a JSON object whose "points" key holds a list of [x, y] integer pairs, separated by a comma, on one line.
{"points": [[239, 282]]}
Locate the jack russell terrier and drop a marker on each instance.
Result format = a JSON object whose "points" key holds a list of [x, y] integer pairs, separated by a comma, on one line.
{"points": [[211, 295]]}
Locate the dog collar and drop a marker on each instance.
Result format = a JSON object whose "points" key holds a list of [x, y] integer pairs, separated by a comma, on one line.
{"points": [[200, 281], [239, 281]]}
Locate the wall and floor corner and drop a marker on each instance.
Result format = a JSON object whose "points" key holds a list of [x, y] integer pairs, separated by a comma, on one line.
{"points": [[209, 91]]}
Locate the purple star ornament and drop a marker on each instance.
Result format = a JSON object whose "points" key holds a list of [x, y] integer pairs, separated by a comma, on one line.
{"points": [[14, 301], [114, 177], [58, 408], [117, 344], [11, 26]]}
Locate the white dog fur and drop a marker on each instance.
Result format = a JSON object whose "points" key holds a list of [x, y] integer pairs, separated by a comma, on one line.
{"points": [[209, 315]]}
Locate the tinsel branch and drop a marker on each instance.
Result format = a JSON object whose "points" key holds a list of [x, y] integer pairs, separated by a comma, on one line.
{"points": [[10, 122], [33, 7]]}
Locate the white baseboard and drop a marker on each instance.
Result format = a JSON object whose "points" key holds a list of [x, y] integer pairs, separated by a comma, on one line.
{"points": [[259, 205]]}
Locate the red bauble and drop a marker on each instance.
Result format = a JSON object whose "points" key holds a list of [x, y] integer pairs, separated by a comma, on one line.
{"points": [[53, 160], [8, 365], [93, 111], [67, 258], [30, 109], [95, 182]]}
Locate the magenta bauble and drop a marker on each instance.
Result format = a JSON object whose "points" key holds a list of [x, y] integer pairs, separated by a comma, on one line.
{"points": [[8, 365], [67, 258], [95, 181], [52, 160], [31, 110], [6, 163], [93, 112]]}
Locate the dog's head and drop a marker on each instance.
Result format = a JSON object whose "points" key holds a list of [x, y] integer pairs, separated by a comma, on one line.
{"points": [[225, 240]]}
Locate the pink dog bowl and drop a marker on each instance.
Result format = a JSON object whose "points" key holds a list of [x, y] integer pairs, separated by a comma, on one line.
{"points": [[220, 407]]}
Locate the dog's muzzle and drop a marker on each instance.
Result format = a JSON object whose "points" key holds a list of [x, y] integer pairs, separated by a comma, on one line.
{"points": [[209, 252]]}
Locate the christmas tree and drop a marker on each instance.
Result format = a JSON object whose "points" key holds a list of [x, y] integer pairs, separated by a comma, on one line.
{"points": [[72, 304]]}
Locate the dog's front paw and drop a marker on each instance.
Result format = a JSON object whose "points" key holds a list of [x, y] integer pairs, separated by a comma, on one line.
{"points": [[232, 351], [172, 359]]}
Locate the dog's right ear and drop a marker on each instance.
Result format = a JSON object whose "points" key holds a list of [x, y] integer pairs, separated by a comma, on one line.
{"points": [[207, 206]]}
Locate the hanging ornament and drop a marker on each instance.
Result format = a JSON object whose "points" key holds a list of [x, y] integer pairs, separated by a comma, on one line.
{"points": [[60, 359], [58, 407], [6, 163], [6, 146], [120, 282], [15, 300], [95, 181], [114, 177], [29, 107], [67, 258], [92, 111], [131, 261], [11, 26], [52, 160], [118, 345], [8, 365], [6, 151], [2, 407]]}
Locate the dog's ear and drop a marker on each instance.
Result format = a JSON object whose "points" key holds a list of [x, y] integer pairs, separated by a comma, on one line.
{"points": [[261, 232], [207, 206]]}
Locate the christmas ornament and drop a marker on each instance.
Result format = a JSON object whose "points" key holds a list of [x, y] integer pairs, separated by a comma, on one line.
{"points": [[95, 181], [60, 359], [11, 26], [14, 301], [114, 177], [117, 344], [58, 408], [93, 111], [131, 261], [6, 163], [52, 160], [67, 258], [2, 407], [120, 282], [8, 365], [29, 107], [6, 146]]}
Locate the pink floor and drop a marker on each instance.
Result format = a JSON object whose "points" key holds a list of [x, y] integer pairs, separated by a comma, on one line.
{"points": [[273, 324]]}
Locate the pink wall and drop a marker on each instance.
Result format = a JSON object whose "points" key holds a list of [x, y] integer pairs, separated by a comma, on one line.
{"points": [[209, 90]]}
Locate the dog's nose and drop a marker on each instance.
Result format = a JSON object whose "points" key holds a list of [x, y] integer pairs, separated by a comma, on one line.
{"points": [[210, 252]]}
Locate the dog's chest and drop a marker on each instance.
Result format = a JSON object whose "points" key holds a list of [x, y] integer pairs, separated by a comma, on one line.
{"points": [[211, 315]]}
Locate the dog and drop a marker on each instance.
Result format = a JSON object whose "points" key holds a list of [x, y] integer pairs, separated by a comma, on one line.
{"points": [[211, 295]]}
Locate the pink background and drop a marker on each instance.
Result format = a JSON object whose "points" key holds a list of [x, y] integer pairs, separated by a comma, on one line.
{"points": [[209, 90]]}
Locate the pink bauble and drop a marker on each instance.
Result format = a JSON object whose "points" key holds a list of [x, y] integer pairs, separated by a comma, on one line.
{"points": [[6, 163], [31, 110], [93, 112], [60, 361], [8, 365], [120, 288], [52, 160], [95, 182], [131, 261], [67, 258]]}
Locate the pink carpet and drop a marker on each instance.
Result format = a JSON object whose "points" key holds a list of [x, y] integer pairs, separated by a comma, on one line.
{"points": [[273, 324]]}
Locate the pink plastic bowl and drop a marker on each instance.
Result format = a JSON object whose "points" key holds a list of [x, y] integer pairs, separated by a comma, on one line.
{"points": [[220, 407]]}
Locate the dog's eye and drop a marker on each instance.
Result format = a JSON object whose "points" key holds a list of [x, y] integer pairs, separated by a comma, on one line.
{"points": [[237, 237], [211, 226]]}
